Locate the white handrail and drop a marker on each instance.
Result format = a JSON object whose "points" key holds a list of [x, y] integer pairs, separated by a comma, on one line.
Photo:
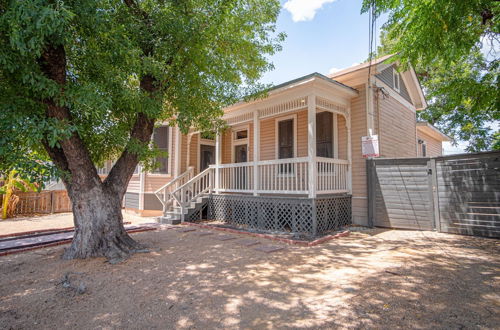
{"points": [[163, 193], [194, 188]]}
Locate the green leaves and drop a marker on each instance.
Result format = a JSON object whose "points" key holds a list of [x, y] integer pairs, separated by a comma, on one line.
{"points": [[199, 53], [446, 42]]}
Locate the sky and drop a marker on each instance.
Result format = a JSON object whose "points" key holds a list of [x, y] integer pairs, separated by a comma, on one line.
{"points": [[323, 36]]}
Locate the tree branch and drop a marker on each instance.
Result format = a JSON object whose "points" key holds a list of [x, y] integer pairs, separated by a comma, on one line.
{"points": [[119, 176], [73, 155]]}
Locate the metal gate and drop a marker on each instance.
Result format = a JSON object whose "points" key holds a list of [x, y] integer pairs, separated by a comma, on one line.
{"points": [[457, 194]]}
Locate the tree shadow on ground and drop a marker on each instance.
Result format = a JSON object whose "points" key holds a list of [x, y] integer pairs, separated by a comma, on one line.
{"points": [[383, 279]]}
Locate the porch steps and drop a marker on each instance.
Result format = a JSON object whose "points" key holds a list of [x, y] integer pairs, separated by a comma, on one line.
{"points": [[175, 216]]}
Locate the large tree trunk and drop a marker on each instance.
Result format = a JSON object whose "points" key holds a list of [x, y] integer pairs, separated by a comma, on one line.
{"points": [[97, 213], [99, 230]]}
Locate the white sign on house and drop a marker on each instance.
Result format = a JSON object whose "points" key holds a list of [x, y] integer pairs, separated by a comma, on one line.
{"points": [[369, 146]]}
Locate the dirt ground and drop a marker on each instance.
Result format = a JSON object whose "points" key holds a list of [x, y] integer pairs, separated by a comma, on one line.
{"points": [[371, 279], [52, 221]]}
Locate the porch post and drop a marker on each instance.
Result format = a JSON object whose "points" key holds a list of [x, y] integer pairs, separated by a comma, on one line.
{"points": [[311, 143], [218, 157], [256, 151]]}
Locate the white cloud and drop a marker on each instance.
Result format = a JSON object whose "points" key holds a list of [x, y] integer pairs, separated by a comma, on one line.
{"points": [[304, 10], [333, 70]]}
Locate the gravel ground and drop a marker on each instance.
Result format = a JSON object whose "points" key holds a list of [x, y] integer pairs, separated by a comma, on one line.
{"points": [[371, 279], [52, 221]]}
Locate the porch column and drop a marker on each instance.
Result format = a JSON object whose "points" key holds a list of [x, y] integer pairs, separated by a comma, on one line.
{"points": [[256, 151], [218, 161], [311, 144]]}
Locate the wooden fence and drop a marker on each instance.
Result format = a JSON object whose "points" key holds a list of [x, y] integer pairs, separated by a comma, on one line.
{"points": [[49, 201], [457, 194]]}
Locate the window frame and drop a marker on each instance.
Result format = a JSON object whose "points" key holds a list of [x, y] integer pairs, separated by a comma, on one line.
{"points": [[276, 135], [169, 149], [236, 142], [396, 77]]}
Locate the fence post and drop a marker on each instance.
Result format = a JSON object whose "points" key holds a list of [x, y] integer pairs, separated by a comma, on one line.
{"points": [[435, 194], [371, 178], [52, 202]]}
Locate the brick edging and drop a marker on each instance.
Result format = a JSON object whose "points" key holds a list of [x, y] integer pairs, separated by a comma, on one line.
{"points": [[66, 241], [271, 237], [41, 231]]}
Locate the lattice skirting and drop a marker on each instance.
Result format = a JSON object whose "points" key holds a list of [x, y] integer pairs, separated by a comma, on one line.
{"points": [[306, 216]]}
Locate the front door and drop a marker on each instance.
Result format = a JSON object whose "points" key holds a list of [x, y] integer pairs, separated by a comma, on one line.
{"points": [[207, 156], [240, 156]]}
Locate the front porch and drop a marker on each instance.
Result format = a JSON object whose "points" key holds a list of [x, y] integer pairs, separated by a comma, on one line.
{"points": [[292, 148]]}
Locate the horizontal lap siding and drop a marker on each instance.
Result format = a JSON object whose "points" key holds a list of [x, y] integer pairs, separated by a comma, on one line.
{"points": [[226, 147], [469, 194], [402, 195], [434, 147], [131, 200], [183, 153], [193, 152], [358, 129], [155, 181], [342, 137], [397, 128], [134, 185]]}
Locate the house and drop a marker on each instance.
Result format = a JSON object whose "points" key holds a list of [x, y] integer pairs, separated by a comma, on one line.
{"points": [[430, 140], [292, 161]]}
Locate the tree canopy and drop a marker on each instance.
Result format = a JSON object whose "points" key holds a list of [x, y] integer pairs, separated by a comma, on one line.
{"points": [[86, 81], [198, 52], [453, 46]]}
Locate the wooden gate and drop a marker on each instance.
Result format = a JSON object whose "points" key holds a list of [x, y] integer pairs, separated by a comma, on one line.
{"points": [[457, 194]]}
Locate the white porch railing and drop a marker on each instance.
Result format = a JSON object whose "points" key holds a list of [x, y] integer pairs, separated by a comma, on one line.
{"points": [[332, 175], [283, 176], [164, 193], [199, 185]]}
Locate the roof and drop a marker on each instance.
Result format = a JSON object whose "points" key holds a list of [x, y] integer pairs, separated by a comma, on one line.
{"points": [[361, 66], [298, 81], [309, 76], [428, 129]]}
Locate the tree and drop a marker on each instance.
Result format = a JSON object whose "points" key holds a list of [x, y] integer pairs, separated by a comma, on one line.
{"points": [[13, 181], [89, 80], [452, 46]]}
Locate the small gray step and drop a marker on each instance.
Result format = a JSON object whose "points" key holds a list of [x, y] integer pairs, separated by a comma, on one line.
{"points": [[168, 220]]}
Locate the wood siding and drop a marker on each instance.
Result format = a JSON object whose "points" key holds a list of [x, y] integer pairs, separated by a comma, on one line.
{"points": [[434, 147], [342, 137], [358, 129], [396, 127], [134, 184], [387, 76]]}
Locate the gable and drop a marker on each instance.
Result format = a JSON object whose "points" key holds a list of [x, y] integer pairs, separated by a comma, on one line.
{"points": [[387, 77]]}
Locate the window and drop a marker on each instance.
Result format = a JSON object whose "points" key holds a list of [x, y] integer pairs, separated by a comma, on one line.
{"points": [[239, 153], [241, 135], [160, 138], [424, 150], [285, 139], [397, 82], [324, 134]]}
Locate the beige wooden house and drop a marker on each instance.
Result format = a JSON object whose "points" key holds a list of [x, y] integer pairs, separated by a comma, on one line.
{"points": [[292, 161]]}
